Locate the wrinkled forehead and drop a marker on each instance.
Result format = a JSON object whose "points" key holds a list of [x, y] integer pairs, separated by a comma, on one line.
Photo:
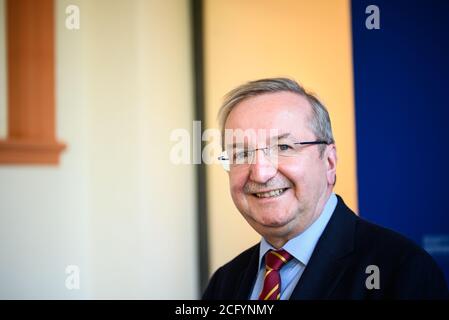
{"points": [[261, 119], [261, 137]]}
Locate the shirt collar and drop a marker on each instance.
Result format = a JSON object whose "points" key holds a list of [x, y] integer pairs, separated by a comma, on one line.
{"points": [[301, 247]]}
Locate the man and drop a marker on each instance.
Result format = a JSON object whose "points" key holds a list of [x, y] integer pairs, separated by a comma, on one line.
{"points": [[313, 246]]}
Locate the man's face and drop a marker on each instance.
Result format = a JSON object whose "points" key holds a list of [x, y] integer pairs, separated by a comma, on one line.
{"points": [[306, 178]]}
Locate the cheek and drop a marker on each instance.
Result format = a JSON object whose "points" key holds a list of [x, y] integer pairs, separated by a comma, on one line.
{"points": [[295, 174], [304, 173], [236, 184]]}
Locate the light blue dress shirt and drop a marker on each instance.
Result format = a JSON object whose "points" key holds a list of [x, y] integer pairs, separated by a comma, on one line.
{"points": [[301, 248]]}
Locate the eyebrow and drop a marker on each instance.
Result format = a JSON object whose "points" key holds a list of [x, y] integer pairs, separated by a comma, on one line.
{"points": [[283, 136], [279, 137]]}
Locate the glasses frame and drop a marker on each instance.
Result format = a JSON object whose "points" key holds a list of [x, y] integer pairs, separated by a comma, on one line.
{"points": [[226, 165]]}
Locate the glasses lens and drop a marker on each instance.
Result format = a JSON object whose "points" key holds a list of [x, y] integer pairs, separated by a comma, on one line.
{"points": [[285, 149]]}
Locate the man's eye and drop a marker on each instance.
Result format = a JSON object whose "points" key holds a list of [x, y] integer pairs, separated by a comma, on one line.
{"points": [[284, 147], [241, 154]]}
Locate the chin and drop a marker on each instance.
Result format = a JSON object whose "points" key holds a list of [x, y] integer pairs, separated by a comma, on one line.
{"points": [[271, 220]]}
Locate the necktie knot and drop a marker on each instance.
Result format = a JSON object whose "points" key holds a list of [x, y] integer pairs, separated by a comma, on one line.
{"points": [[275, 259]]}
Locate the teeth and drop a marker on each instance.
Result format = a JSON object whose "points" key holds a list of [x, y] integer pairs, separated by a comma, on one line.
{"points": [[272, 193]]}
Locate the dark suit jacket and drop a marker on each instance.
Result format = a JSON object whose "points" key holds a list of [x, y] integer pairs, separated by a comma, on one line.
{"points": [[337, 267]]}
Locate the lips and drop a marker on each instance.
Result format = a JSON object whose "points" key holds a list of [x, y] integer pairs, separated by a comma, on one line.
{"points": [[270, 194]]}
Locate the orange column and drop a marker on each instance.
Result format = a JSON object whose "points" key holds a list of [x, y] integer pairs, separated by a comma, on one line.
{"points": [[31, 78]]}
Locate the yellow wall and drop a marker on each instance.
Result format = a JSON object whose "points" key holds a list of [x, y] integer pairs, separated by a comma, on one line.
{"points": [[309, 41]]}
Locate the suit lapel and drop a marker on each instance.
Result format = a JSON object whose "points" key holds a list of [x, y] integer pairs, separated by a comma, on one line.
{"points": [[325, 268], [248, 276]]}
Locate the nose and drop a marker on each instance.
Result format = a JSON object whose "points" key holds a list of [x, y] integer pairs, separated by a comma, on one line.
{"points": [[262, 170]]}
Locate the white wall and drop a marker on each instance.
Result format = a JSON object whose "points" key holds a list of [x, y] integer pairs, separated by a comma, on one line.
{"points": [[115, 206]]}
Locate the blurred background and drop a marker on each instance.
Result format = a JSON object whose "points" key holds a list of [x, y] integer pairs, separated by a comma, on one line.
{"points": [[91, 207]]}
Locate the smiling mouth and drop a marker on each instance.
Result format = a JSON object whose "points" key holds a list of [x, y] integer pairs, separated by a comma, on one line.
{"points": [[270, 194]]}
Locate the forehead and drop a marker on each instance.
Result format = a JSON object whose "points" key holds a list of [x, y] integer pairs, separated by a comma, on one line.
{"points": [[281, 111]]}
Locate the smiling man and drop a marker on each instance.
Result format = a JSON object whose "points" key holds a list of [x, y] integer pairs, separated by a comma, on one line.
{"points": [[282, 171]]}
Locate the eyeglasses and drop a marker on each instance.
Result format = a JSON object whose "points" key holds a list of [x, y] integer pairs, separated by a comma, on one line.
{"points": [[241, 156]]}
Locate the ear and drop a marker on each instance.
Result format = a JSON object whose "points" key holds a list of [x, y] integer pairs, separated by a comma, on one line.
{"points": [[331, 164]]}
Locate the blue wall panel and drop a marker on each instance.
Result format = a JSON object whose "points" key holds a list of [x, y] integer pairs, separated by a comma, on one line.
{"points": [[401, 79]]}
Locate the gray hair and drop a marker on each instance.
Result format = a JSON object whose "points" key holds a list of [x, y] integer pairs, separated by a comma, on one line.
{"points": [[320, 123]]}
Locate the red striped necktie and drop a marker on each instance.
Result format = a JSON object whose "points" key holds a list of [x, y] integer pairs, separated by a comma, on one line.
{"points": [[274, 261]]}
